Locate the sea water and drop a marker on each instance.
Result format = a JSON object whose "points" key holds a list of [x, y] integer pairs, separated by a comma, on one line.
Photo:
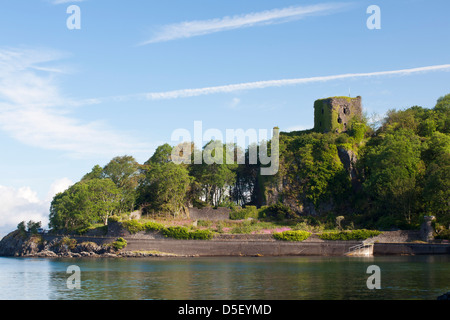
{"points": [[225, 278]]}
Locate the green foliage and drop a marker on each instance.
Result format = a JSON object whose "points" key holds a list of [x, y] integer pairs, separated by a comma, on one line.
{"points": [[133, 226], [33, 226], [119, 244], [201, 235], [361, 234], [402, 171], [83, 204], [244, 228], [394, 169], [277, 211], [69, 242], [244, 213], [358, 131], [177, 232], [22, 228], [163, 154], [295, 235], [153, 226], [443, 235], [164, 188], [183, 233]]}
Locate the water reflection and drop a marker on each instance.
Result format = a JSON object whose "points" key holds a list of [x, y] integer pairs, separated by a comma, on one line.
{"points": [[287, 278]]}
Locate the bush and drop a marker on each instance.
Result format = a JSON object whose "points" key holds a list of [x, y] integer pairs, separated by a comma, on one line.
{"points": [[204, 223], [361, 234], [153, 226], [244, 213], [119, 244], [201, 235], [176, 232], [114, 219], [297, 235], [183, 233], [70, 243], [277, 211], [443, 235], [133, 226]]}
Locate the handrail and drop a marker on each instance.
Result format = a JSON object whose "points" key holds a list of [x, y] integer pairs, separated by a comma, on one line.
{"points": [[358, 247]]}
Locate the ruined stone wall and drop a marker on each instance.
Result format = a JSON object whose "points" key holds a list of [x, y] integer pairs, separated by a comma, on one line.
{"points": [[336, 113], [209, 213]]}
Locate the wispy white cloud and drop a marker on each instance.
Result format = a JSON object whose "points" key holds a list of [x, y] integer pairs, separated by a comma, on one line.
{"points": [[184, 93], [195, 28], [35, 112], [65, 1]]}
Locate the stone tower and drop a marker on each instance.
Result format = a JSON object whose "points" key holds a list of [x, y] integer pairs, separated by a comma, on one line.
{"points": [[335, 114]]}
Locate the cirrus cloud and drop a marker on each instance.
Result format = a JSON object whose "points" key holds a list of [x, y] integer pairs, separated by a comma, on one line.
{"points": [[35, 112]]}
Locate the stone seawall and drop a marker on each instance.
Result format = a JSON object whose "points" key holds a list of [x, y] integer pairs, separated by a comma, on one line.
{"points": [[220, 245], [241, 248], [410, 248]]}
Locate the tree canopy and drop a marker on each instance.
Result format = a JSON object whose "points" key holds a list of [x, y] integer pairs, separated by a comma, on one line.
{"points": [[389, 176]]}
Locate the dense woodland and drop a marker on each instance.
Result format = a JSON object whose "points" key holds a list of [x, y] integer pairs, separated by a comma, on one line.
{"points": [[399, 171]]}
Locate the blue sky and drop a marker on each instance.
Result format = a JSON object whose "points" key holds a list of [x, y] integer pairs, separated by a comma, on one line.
{"points": [[138, 70]]}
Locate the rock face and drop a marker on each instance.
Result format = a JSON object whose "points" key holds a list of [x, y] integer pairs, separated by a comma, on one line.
{"points": [[17, 244]]}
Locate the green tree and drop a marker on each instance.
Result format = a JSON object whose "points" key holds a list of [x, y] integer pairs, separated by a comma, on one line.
{"points": [[214, 177], [125, 172], [442, 114], [104, 197], [162, 154], [164, 188], [393, 169], [437, 177], [83, 204], [96, 173]]}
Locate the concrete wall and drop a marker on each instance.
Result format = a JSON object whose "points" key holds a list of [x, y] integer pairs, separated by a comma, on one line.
{"points": [[237, 247], [410, 248]]}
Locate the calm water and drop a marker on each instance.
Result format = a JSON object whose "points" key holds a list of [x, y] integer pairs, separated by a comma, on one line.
{"points": [[286, 278]]}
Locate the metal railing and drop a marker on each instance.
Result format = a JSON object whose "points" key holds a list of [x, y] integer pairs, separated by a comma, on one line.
{"points": [[352, 250]]}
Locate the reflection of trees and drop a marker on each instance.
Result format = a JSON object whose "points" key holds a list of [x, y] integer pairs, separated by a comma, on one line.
{"points": [[233, 278]]}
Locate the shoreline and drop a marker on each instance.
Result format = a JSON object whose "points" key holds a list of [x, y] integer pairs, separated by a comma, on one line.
{"points": [[144, 248], [154, 244]]}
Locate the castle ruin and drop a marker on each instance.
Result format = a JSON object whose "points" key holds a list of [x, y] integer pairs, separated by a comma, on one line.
{"points": [[336, 113]]}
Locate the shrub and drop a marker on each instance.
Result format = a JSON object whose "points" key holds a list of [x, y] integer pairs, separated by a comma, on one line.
{"points": [[360, 234], [114, 218], [204, 223], [443, 235], [277, 211], [297, 235], [183, 233], [201, 235], [177, 232], [244, 213], [151, 225], [133, 226], [119, 244], [70, 243]]}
